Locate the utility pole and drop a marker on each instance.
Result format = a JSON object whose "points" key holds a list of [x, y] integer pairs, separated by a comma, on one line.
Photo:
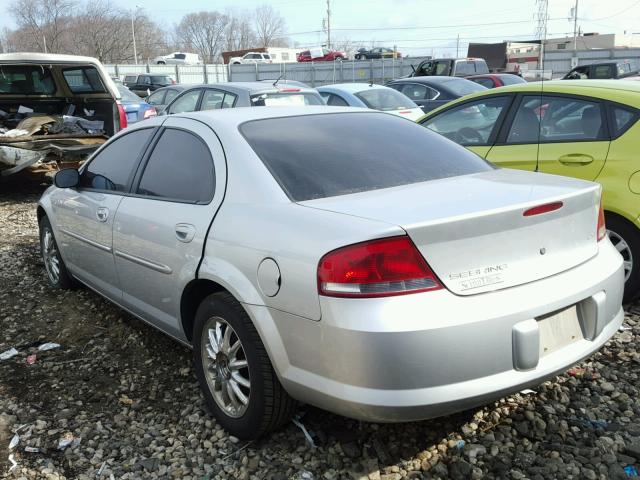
{"points": [[458, 47], [44, 40], [575, 27], [133, 34], [328, 24]]}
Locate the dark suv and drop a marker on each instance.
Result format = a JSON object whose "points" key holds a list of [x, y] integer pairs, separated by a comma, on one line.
{"points": [[451, 67], [144, 83], [602, 70]]}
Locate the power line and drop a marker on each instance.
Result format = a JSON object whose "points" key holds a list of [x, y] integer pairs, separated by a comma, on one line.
{"points": [[615, 14]]}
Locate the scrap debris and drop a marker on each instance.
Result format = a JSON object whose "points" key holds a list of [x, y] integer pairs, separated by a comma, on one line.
{"points": [[6, 355], [48, 346]]}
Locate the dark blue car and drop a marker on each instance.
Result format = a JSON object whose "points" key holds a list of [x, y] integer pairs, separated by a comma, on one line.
{"points": [[135, 107]]}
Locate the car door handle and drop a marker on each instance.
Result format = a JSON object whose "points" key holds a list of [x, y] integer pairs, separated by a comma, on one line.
{"points": [[185, 232], [102, 214], [576, 159]]}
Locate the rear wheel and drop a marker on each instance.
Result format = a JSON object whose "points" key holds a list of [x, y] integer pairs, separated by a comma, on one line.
{"points": [[234, 370], [162, 63], [53, 263], [626, 238]]}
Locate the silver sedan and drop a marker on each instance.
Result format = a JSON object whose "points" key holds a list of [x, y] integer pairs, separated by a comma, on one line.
{"points": [[341, 257]]}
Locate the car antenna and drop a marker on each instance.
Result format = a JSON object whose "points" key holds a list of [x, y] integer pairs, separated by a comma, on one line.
{"points": [[278, 79]]}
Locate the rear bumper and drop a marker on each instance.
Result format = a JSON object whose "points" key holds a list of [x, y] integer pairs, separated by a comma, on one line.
{"points": [[420, 356]]}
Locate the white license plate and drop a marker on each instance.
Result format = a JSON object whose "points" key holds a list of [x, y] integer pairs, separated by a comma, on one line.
{"points": [[559, 330]]}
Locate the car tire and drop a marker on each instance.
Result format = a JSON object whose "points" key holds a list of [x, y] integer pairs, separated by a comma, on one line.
{"points": [[162, 63], [56, 270], [221, 373], [626, 238]]}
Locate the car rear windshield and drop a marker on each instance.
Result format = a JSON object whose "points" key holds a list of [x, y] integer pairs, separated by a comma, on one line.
{"points": [[385, 99], [512, 79], [317, 156], [285, 99], [161, 80], [26, 80], [461, 87], [127, 95]]}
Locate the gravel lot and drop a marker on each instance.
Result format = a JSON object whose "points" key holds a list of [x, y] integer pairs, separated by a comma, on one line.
{"points": [[127, 400]]}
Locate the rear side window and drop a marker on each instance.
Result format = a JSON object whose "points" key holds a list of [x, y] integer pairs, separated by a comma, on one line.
{"points": [[83, 80], [485, 82], [461, 87], [161, 80], [26, 80], [385, 99], [179, 168], [113, 166], [156, 98], [623, 118], [383, 151]]}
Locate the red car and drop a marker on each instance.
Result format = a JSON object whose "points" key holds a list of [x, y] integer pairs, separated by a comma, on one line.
{"points": [[494, 80], [320, 55]]}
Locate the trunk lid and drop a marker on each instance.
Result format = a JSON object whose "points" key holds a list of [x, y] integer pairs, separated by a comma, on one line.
{"points": [[472, 230]]}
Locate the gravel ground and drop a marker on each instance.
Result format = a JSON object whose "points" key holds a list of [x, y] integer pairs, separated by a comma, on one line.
{"points": [[125, 399]]}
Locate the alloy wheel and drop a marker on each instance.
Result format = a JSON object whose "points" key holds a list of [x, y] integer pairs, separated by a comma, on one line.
{"points": [[623, 247], [50, 256], [226, 368]]}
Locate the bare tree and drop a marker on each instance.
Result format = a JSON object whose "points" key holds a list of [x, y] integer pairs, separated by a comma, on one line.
{"points": [[204, 32], [43, 22], [239, 35], [270, 27]]}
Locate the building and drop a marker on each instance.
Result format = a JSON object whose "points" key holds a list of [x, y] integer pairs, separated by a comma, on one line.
{"points": [[593, 41]]}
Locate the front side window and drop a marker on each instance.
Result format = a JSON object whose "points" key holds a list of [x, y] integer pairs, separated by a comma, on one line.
{"points": [[417, 92], [471, 123], [171, 94], [130, 79], [179, 168], [83, 80], [229, 100], [26, 80], [112, 167], [603, 71], [186, 103], [385, 99], [144, 80], [302, 155], [179, 56]]}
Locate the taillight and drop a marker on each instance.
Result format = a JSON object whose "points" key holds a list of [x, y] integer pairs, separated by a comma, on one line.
{"points": [[122, 115], [173, 82], [540, 209], [602, 229], [377, 268], [151, 112]]}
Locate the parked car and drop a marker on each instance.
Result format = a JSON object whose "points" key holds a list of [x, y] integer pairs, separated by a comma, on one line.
{"points": [[337, 257], [251, 57], [367, 95], [135, 107], [450, 67], [602, 71], [55, 110], [178, 58], [432, 92], [586, 129], [321, 55], [163, 96], [216, 96], [380, 52], [142, 84], [495, 80]]}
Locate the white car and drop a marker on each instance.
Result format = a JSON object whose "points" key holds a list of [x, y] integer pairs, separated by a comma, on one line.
{"points": [[178, 58], [251, 57]]}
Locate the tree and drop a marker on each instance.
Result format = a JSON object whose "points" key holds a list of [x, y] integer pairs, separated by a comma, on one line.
{"points": [[239, 35], [43, 24], [204, 32], [270, 27]]}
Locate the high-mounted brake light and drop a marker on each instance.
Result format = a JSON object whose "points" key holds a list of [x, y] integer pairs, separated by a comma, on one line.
{"points": [[290, 90], [602, 228], [540, 209], [378, 268]]}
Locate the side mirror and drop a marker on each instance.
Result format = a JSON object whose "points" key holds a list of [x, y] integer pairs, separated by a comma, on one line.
{"points": [[67, 178]]}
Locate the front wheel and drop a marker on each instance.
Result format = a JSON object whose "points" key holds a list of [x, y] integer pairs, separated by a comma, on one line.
{"points": [[626, 238], [234, 370], [162, 63]]}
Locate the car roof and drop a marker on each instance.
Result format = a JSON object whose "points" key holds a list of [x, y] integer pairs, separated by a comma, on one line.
{"points": [[492, 75], [253, 87], [607, 89], [430, 79], [352, 87]]}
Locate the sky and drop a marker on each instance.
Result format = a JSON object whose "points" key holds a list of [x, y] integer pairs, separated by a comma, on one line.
{"points": [[415, 27]]}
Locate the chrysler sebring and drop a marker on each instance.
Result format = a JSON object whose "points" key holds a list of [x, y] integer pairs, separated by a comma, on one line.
{"points": [[391, 276]]}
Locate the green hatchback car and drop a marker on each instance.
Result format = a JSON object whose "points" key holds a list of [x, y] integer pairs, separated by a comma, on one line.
{"points": [[586, 129]]}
